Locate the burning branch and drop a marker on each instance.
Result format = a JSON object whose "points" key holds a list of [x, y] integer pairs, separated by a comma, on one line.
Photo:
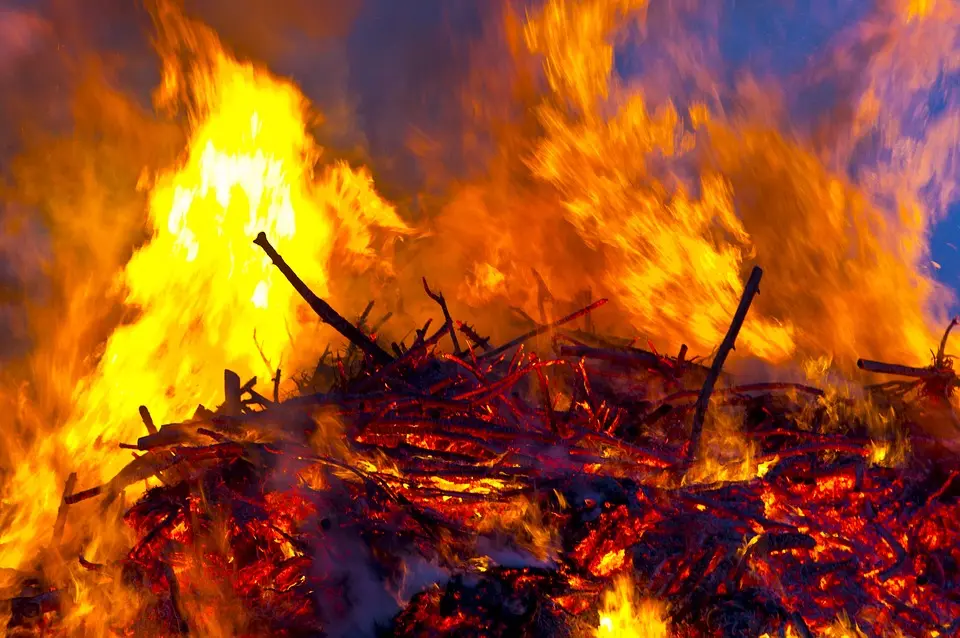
{"points": [[448, 320], [899, 370], [324, 310], [749, 291]]}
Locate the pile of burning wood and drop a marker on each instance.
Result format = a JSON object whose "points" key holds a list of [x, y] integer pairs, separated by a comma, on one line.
{"points": [[501, 493]]}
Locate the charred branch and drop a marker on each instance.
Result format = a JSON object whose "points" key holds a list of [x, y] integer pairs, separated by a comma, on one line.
{"points": [[751, 289], [324, 310]]}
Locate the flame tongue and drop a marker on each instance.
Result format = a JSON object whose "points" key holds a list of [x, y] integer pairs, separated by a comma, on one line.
{"points": [[623, 616]]}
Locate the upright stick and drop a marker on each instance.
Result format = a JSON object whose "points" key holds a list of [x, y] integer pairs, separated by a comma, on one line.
{"points": [[752, 289], [324, 310]]}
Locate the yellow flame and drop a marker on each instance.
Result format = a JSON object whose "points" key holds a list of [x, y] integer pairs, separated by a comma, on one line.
{"points": [[843, 627], [600, 186], [917, 9], [622, 615], [727, 454], [201, 290]]}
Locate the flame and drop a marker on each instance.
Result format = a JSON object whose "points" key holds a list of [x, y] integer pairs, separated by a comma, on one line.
{"points": [[595, 163], [205, 297], [918, 9], [843, 627], [624, 616], [663, 207], [729, 454], [843, 405]]}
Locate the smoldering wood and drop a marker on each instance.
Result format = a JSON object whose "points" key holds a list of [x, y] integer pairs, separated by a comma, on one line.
{"points": [[448, 320]]}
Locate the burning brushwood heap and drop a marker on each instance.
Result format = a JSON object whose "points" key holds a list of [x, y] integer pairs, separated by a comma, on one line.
{"points": [[497, 493], [561, 483]]}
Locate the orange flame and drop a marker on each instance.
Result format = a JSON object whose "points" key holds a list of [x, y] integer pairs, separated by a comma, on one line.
{"points": [[596, 203], [664, 210]]}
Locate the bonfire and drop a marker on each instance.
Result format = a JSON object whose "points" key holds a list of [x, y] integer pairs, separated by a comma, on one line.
{"points": [[209, 471], [545, 497]]}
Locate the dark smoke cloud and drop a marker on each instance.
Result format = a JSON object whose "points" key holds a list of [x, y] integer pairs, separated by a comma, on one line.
{"points": [[271, 31]]}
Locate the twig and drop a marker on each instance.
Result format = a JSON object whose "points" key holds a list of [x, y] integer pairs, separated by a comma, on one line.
{"points": [[729, 342], [542, 329], [361, 324], [438, 298], [366, 313], [941, 359], [588, 320], [543, 297], [84, 495], [474, 336], [375, 328], [900, 553], [324, 310]]}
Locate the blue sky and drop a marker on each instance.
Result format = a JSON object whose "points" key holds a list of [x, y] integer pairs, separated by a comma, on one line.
{"points": [[945, 250], [785, 44]]}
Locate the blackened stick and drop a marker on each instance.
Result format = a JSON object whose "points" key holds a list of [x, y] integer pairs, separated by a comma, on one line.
{"points": [[880, 367], [324, 310], [749, 291]]}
